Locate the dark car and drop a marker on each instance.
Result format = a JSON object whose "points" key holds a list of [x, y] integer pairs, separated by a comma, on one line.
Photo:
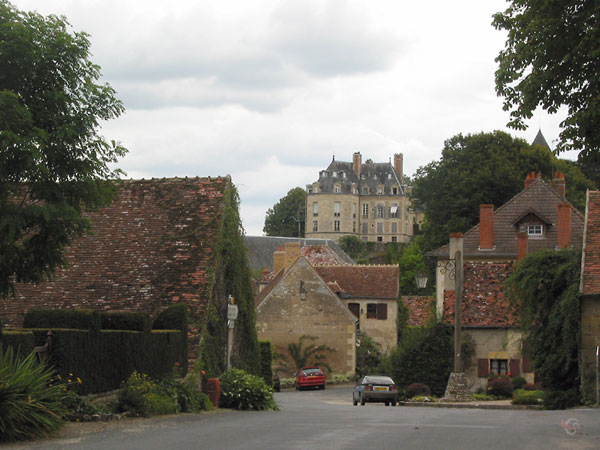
{"points": [[310, 377], [276, 383], [375, 388]]}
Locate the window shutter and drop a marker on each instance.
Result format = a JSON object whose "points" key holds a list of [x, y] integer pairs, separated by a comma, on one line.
{"points": [[381, 311], [526, 364], [354, 309], [514, 367], [483, 368]]}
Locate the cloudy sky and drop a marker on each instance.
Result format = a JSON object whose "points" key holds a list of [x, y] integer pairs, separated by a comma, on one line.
{"points": [[269, 91]]}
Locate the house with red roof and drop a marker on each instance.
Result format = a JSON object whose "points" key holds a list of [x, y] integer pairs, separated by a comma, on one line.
{"points": [[539, 217], [590, 298]]}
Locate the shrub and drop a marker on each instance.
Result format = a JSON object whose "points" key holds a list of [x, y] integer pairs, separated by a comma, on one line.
{"points": [[174, 317], [500, 387], [414, 389], [242, 390], [561, 399], [76, 319], [78, 408], [30, 405], [523, 397], [266, 362], [125, 320], [21, 341], [531, 387], [518, 382]]}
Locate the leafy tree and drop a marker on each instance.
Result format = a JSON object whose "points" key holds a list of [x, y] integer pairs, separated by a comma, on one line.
{"points": [[53, 162], [482, 168], [411, 262], [287, 215], [368, 355], [353, 246], [551, 60], [546, 285], [301, 356]]}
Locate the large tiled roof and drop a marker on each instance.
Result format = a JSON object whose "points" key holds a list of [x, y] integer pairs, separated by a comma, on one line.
{"points": [[151, 247], [484, 303], [590, 276], [317, 251], [540, 199], [359, 281], [420, 309]]}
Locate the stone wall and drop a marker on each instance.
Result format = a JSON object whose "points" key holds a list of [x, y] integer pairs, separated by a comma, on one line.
{"points": [[590, 339]]}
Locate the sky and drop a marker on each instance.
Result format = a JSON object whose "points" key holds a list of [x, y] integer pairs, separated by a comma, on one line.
{"points": [[269, 91]]}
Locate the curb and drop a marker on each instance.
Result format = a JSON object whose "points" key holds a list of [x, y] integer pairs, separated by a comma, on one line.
{"points": [[473, 405]]}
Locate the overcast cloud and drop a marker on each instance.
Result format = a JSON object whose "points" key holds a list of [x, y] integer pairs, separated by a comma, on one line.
{"points": [[268, 91]]}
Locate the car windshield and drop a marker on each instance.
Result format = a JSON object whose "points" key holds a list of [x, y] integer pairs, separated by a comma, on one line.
{"points": [[311, 371], [378, 380]]}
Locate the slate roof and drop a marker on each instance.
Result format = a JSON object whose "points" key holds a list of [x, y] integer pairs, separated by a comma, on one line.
{"points": [[360, 281], [590, 271], [317, 251], [150, 248], [539, 198], [484, 304]]}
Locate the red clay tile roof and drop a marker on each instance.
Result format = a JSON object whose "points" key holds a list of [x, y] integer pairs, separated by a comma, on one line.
{"points": [[590, 277], [361, 281], [420, 309], [538, 197], [484, 303], [273, 280], [319, 255], [151, 247]]}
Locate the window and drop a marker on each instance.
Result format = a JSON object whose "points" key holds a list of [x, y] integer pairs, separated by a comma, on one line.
{"points": [[395, 190], [394, 239], [394, 227], [394, 211], [499, 366], [334, 173], [380, 227], [371, 310], [377, 311], [315, 225], [336, 225], [362, 176], [354, 227], [365, 227], [315, 209], [337, 189], [365, 239], [389, 176], [379, 238], [535, 230], [336, 209], [353, 210], [365, 210], [365, 191], [379, 190], [380, 211]]}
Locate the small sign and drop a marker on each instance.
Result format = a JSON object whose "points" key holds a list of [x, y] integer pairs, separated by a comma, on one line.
{"points": [[232, 312]]}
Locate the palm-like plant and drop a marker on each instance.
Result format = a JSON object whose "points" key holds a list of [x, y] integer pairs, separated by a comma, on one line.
{"points": [[30, 405], [300, 356]]}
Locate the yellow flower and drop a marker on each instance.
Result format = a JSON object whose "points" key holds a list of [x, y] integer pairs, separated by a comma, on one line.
{"points": [[79, 380]]}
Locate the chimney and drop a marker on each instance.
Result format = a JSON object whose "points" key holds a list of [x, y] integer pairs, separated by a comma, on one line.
{"points": [[357, 163], [398, 163], [558, 183], [486, 227], [278, 260], [292, 253], [563, 239], [522, 245], [531, 177]]}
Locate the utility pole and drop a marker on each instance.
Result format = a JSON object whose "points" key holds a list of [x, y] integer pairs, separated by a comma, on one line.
{"points": [[232, 313]]}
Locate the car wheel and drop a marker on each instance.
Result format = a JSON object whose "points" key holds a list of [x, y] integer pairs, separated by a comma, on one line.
{"points": [[354, 401], [387, 403], [393, 402], [297, 386], [322, 387], [362, 401]]}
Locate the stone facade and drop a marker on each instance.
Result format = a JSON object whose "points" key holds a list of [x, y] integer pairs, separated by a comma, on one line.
{"points": [[365, 200], [283, 316]]}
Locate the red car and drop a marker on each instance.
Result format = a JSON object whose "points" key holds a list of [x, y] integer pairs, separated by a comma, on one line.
{"points": [[310, 377]]}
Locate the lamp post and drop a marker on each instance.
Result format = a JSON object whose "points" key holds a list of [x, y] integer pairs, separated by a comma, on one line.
{"points": [[421, 279]]}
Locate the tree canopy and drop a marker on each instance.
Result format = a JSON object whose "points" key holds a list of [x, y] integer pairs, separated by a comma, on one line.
{"points": [[551, 59], [286, 217], [53, 162], [546, 285], [484, 168]]}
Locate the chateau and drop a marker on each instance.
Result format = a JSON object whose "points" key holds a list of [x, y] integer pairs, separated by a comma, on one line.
{"points": [[367, 200]]}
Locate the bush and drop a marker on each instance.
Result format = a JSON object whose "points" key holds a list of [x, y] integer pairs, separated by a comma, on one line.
{"points": [[23, 342], [172, 318], [30, 405], [242, 390], [415, 389], [561, 399], [518, 382], [266, 362], [500, 387], [523, 397], [75, 319], [531, 387], [125, 320]]}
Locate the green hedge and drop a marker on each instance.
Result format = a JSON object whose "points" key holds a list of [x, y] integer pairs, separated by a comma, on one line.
{"points": [[172, 318], [21, 341], [104, 360], [76, 319], [125, 320], [266, 362]]}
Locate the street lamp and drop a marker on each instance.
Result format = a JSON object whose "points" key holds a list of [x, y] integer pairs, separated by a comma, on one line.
{"points": [[421, 279]]}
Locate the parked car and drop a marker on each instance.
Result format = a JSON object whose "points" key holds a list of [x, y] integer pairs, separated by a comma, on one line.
{"points": [[276, 383], [375, 388], [310, 377]]}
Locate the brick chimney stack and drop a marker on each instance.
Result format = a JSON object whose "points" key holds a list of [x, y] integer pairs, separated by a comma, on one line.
{"points": [[531, 177], [522, 245], [563, 239], [357, 163], [292, 253], [278, 260], [398, 165], [558, 183], [486, 227]]}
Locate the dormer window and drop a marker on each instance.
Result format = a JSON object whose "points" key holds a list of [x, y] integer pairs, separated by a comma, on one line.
{"points": [[337, 189], [365, 191], [379, 190], [334, 173], [389, 176], [536, 230]]}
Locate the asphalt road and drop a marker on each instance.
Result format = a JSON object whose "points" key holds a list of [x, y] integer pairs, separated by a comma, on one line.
{"points": [[327, 420]]}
